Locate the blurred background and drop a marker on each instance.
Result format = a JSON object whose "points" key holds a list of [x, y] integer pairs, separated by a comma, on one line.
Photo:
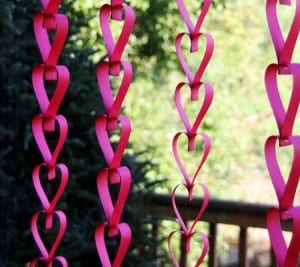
{"points": [[238, 122]]}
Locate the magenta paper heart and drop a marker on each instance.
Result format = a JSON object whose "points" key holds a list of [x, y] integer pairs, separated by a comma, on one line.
{"points": [[194, 91], [50, 108], [112, 158], [285, 256], [49, 157], [51, 6], [113, 211], [116, 49], [36, 263], [50, 52], [113, 104], [285, 191], [189, 180], [123, 231], [284, 48], [187, 230], [284, 118], [188, 239], [194, 78], [49, 205], [193, 29], [48, 253]]}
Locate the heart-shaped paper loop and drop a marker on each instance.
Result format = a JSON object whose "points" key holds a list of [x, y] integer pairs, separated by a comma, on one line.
{"points": [[49, 205], [36, 263], [187, 230], [284, 48], [123, 231], [49, 108], [285, 191], [285, 255], [50, 52], [38, 129], [194, 78], [62, 220], [112, 157], [113, 104], [193, 29], [51, 6], [116, 49], [284, 118], [189, 180], [194, 91], [188, 239], [121, 176]]}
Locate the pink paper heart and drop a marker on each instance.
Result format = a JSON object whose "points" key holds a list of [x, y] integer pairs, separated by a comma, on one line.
{"points": [[194, 91], [115, 49], [194, 78], [50, 52], [112, 157], [193, 29], [38, 129], [285, 191], [285, 118], [285, 256], [188, 239], [49, 205], [113, 104], [49, 108], [284, 48], [189, 180], [123, 231], [187, 230], [121, 176], [51, 6], [48, 253]]}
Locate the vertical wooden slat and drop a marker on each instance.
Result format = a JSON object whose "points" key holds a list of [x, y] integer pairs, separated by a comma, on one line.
{"points": [[243, 257], [183, 257], [212, 254]]}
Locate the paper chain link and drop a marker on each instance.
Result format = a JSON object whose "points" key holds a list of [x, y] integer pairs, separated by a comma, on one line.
{"points": [[285, 188], [49, 121], [194, 86], [113, 121]]}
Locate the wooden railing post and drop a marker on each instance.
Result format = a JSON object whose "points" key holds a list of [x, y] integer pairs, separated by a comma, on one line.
{"points": [[212, 254], [243, 244]]}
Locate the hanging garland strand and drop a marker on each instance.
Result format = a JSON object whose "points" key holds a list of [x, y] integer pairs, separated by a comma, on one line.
{"points": [[112, 123], [49, 127], [287, 255], [194, 86]]}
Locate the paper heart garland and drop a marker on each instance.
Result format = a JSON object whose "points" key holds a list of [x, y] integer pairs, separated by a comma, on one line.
{"points": [[113, 104], [284, 48], [190, 179], [62, 220], [285, 255], [185, 229], [113, 211], [36, 263], [123, 231], [50, 52], [285, 191], [195, 77], [115, 49], [49, 157], [49, 205], [188, 239], [208, 96], [112, 157], [193, 29], [284, 117], [49, 108]]}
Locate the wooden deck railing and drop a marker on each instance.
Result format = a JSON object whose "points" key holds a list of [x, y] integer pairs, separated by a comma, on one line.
{"points": [[241, 214]]}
